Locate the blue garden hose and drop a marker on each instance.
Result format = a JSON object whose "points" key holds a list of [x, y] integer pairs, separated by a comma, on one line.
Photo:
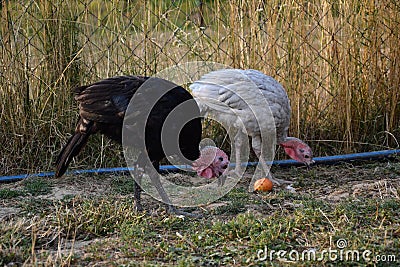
{"points": [[282, 163]]}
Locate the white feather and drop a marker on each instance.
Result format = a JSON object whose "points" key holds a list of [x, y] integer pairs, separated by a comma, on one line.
{"points": [[232, 94]]}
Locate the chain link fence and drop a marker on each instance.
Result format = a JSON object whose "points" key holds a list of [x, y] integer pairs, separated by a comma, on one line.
{"points": [[338, 60]]}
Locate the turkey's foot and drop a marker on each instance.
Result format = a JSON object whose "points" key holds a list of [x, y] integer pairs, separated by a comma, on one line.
{"points": [[138, 207], [173, 210], [279, 182]]}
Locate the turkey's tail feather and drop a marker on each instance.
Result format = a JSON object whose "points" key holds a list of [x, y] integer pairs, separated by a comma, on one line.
{"points": [[73, 147]]}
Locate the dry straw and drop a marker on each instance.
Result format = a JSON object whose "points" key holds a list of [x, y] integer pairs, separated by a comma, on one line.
{"points": [[338, 60]]}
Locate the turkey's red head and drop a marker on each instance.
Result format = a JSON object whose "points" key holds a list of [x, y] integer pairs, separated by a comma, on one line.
{"points": [[298, 150], [212, 162]]}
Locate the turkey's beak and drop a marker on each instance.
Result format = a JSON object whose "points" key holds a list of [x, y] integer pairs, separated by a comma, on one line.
{"points": [[308, 164]]}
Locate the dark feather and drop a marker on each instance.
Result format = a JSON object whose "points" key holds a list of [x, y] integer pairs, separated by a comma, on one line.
{"points": [[74, 145], [102, 108]]}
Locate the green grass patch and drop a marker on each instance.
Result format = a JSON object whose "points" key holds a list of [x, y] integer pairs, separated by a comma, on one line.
{"points": [[123, 185], [7, 193], [33, 187], [37, 186]]}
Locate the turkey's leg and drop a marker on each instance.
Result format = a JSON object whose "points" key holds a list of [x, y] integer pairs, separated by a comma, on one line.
{"points": [[238, 147], [137, 189], [258, 150], [155, 179], [136, 195], [239, 138]]}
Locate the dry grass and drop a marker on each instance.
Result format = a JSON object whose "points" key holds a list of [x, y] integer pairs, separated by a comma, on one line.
{"points": [[337, 59]]}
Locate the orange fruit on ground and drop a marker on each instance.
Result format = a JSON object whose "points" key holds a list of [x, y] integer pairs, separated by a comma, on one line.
{"points": [[263, 185]]}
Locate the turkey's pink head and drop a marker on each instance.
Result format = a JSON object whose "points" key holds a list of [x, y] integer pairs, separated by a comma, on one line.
{"points": [[212, 162], [298, 150]]}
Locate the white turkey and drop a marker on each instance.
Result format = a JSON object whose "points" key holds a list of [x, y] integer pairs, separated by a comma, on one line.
{"points": [[250, 103], [102, 108]]}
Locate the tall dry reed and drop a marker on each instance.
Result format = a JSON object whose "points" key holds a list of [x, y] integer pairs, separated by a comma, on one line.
{"points": [[338, 60]]}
